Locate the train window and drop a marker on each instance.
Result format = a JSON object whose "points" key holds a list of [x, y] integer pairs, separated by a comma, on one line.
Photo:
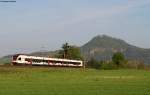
{"points": [[39, 61], [46, 61], [35, 60], [15, 57], [19, 58], [27, 59], [76, 63]]}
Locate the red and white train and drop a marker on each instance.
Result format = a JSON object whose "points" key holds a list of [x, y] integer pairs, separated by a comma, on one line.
{"points": [[20, 59]]}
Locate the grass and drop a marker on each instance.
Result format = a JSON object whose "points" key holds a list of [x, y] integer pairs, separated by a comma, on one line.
{"points": [[72, 81]]}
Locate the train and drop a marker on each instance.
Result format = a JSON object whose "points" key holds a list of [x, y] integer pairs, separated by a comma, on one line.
{"points": [[23, 59]]}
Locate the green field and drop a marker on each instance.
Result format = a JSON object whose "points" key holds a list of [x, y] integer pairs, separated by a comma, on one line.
{"points": [[72, 81]]}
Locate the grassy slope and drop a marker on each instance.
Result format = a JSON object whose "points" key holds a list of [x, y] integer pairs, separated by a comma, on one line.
{"points": [[61, 81]]}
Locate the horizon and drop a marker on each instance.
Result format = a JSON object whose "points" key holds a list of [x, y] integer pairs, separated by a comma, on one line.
{"points": [[31, 25], [72, 44]]}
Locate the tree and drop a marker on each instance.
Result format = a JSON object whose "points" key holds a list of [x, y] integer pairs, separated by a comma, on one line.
{"points": [[70, 52], [65, 48], [74, 53], [118, 58]]}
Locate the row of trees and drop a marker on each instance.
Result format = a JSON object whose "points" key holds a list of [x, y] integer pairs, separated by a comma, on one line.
{"points": [[118, 59]]}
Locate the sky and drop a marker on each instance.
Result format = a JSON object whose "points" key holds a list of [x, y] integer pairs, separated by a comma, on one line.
{"points": [[36, 25]]}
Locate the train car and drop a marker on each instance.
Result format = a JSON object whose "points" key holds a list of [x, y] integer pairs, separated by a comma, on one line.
{"points": [[21, 59]]}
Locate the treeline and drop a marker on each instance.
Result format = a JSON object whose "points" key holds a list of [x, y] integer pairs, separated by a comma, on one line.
{"points": [[118, 59]]}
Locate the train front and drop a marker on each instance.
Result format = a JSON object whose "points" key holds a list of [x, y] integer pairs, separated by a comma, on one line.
{"points": [[14, 59]]}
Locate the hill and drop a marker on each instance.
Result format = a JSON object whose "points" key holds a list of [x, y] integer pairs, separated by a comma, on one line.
{"points": [[7, 59], [102, 47]]}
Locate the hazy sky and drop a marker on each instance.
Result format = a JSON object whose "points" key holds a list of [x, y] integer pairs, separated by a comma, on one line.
{"points": [[33, 25]]}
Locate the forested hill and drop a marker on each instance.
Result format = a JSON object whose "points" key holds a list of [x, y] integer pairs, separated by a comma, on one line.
{"points": [[102, 47]]}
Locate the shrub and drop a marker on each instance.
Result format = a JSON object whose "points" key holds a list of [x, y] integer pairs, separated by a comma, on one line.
{"points": [[101, 64], [135, 64], [92, 63], [108, 65]]}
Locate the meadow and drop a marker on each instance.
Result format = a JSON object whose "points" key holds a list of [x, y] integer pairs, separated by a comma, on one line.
{"points": [[72, 81]]}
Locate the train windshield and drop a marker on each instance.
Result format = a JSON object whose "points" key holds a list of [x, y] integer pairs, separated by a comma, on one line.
{"points": [[15, 57]]}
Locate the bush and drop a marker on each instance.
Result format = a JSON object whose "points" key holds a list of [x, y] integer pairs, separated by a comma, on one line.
{"points": [[100, 65], [108, 66], [92, 63], [134, 64]]}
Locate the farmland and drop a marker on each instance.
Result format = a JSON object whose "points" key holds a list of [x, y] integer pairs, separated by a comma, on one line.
{"points": [[72, 81]]}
